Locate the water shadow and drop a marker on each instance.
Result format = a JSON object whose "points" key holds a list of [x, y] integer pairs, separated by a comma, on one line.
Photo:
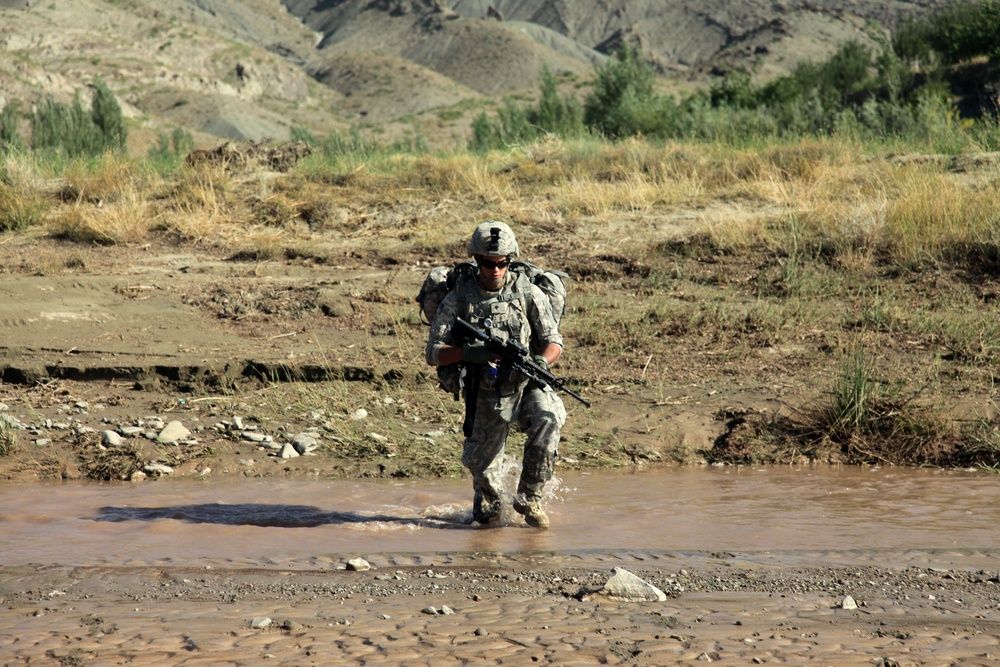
{"points": [[272, 516]]}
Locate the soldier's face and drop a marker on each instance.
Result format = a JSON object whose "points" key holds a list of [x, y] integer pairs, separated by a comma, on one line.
{"points": [[492, 269]]}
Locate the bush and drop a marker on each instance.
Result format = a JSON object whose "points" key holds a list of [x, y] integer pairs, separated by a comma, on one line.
{"points": [[622, 103], [514, 125]]}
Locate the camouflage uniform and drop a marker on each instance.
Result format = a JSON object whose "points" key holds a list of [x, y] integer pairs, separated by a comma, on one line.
{"points": [[520, 310]]}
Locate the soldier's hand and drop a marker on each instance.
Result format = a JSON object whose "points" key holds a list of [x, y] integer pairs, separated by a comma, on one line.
{"points": [[476, 353], [540, 360]]}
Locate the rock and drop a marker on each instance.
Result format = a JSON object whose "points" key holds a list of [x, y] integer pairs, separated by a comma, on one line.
{"points": [[627, 587], [289, 451], [111, 439], [358, 565], [305, 443], [157, 469], [260, 622], [848, 603], [333, 304], [360, 413], [173, 432]]}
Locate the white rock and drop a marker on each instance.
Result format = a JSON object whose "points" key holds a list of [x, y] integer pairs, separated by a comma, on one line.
{"points": [[173, 432], [848, 603], [111, 439], [157, 469], [358, 565], [260, 622], [289, 451], [627, 587], [360, 413]]}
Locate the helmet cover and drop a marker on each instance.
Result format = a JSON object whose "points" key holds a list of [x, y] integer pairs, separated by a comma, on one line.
{"points": [[493, 238]]}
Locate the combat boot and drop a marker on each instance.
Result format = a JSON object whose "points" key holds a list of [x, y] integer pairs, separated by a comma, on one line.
{"points": [[531, 508], [485, 508]]}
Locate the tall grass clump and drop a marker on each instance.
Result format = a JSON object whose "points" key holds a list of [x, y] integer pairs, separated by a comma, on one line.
{"points": [[11, 140], [8, 435], [129, 219], [870, 423], [22, 204]]}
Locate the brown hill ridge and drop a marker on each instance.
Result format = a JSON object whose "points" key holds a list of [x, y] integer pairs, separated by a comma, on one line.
{"points": [[256, 68]]}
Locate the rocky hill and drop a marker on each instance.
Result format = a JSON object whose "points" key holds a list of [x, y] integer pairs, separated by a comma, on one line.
{"points": [[236, 69]]}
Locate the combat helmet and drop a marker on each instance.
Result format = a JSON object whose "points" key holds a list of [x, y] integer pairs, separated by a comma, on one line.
{"points": [[493, 238]]}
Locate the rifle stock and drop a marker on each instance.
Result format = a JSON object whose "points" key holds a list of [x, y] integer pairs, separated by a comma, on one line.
{"points": [[518, 358]]}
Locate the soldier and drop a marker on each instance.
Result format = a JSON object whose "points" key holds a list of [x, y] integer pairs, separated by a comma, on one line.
{"points": [[507, 305]]}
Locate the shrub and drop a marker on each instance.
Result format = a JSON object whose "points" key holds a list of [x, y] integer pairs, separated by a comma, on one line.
{"points": [[561, 116], [73, 131], [622, 102]]}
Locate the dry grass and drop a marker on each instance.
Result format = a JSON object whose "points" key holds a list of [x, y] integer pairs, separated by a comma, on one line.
{"points": [[858, 208], [131, 219], [8, 435]]}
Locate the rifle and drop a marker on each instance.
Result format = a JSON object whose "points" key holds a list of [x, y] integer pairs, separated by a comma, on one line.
{"points": [[516, 357]]}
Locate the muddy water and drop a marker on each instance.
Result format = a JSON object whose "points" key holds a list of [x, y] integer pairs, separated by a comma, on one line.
{"points": [[246, 521]]}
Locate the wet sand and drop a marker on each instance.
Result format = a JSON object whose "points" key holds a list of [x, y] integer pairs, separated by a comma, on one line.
{"points": [[928, 608]]}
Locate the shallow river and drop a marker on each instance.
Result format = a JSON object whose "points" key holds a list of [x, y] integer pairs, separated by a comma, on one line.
{"points": [[252, 521]]}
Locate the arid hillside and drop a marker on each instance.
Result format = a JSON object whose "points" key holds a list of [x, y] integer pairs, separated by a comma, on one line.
{"points": [[223, 69]]}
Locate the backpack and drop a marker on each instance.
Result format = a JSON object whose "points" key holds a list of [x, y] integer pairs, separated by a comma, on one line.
{"points": [[441, 280]]}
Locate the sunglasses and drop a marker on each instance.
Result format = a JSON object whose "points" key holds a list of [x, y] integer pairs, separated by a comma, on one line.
{"points": [[489, 264]]}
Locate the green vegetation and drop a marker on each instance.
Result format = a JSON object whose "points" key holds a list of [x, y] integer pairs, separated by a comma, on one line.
{"points": [[516, 125], [68, 129], [956, 33], [898, 93], [170, 150]]}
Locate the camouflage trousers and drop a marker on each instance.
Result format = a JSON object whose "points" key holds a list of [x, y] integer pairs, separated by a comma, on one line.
{"points": [[540, 414]]}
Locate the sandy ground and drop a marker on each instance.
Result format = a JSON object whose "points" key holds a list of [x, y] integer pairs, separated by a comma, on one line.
{"points": [[512, 609]]}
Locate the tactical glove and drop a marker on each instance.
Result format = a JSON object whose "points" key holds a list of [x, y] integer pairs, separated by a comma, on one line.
{"points": [[540, 360], [476, 353]]}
